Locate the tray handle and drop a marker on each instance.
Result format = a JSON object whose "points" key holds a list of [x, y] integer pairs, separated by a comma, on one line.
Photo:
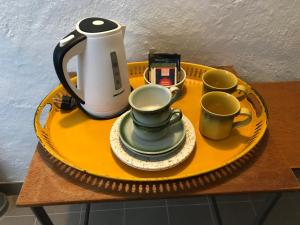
{"points": [[39, 128], [258, 102]]}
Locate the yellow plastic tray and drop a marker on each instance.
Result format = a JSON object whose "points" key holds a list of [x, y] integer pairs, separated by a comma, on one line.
{"points": [[83, 143]]}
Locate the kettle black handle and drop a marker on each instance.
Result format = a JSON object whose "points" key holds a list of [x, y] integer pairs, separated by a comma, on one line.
{"points": [[71, 45]]}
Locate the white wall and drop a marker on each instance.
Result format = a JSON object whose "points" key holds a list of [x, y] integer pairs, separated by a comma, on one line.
{"points": [[260, 37]]}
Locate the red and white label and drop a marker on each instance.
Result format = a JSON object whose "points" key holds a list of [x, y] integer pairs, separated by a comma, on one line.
{"points": [[165, 72]]}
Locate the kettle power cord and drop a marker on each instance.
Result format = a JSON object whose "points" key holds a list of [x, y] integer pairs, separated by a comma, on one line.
{"points": [[65, 102]]}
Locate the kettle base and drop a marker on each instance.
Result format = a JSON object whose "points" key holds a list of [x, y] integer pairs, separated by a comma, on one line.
{"points": [[95, 117]]}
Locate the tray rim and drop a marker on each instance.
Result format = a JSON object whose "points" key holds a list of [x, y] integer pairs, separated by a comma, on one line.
{"points": [[39, 133]]}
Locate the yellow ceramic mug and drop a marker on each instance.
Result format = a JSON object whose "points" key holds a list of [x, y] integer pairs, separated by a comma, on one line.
{"points": [[222, 80], [218, 112]]}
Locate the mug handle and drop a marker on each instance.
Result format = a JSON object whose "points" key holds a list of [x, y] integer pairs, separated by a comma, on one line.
{"points": [[245, 122], [177, 115], [175, 91], [243, 89]]}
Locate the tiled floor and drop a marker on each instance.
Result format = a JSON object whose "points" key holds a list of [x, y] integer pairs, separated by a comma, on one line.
{"points": [[238, 209]]}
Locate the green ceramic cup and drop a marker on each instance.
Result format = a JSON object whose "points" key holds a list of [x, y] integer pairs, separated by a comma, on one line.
{"points": [[151, 106], [218, 111], [150, 133], [222, 80]]}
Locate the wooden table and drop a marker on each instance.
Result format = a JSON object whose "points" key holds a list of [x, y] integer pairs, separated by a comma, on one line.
{"points": [[271, 171]]}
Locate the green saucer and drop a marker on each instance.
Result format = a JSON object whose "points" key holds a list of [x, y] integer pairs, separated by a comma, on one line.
{"points": [[174, 137]]}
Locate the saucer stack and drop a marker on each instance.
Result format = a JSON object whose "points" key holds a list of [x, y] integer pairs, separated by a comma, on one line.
{"points": [[170, 150], [135, 144]]}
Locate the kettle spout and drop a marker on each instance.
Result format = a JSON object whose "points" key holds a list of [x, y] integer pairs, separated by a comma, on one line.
{"points": [[123, 28]]}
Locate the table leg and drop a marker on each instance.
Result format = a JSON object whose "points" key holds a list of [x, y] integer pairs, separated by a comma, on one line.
{"points": [[41, 215], [264, 212], [216, 210], [87, 213]]}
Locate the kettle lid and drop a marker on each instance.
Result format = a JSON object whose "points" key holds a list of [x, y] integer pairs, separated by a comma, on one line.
{"points": [[96, 25]]}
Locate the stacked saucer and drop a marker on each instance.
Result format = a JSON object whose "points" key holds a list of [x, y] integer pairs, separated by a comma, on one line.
{"points": [[134, 141], [172, 149]]}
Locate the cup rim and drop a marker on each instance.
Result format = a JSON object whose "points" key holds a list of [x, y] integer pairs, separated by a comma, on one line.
{"points": [[145, 87], [216, 88], [177, 84], [221, 93]]}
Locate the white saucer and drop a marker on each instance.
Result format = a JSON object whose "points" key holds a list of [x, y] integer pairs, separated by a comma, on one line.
{"points": [[150, 163]]}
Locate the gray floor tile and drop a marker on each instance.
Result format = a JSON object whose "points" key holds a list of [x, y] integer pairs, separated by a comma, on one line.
{"points": [[144, 203], [236, 213], [190, 215], [64, 219], [232, 198], [188, 201], [259, 196], [63, 208], [146, 216], [285, 212], [13, 210], [23, 220], [292, 194], [108, 217], [106, 206], [265, 196]]}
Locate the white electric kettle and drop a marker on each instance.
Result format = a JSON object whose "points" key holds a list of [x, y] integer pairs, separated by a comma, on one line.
{"points": [[102, 75]]}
